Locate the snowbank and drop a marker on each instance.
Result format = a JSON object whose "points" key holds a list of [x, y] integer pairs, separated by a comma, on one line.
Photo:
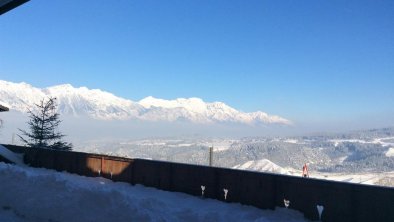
{"points": [[30, 194]]}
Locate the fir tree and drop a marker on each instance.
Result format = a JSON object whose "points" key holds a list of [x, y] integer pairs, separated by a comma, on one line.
{"points": [[43, 125]]}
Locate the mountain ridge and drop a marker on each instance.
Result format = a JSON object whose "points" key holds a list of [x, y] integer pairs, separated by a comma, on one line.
{"points": [[99, 104]]}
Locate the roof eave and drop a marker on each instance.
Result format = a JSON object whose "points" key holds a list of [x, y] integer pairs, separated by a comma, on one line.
{"points": [[3, 108], [8, 5]]}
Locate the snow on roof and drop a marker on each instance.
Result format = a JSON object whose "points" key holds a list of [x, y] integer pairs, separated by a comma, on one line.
{"points": [[3, 107], [11, 156]]}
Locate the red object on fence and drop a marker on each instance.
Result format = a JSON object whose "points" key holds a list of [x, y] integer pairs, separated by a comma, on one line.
{"points": [[305, 172]]}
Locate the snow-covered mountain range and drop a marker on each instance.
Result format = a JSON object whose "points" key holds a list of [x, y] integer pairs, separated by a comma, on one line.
{"points": [[99, 104]]}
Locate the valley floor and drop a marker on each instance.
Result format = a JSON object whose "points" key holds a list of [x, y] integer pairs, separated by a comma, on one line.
{"points": [[381, 179]]}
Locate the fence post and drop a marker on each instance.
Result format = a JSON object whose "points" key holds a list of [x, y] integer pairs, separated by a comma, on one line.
{"points": [[102, 165], [210, 155]]}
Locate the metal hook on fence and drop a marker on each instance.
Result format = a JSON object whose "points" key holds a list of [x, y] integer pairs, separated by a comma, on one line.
{"points": [[202, 190], [320, 209], [286, 202], [225, 193]]}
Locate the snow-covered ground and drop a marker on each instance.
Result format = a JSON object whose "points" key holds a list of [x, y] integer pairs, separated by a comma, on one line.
{"points": [[217, 144], [390, 152], [30, 194], [264, 165], [384, 141], [383, 178]]}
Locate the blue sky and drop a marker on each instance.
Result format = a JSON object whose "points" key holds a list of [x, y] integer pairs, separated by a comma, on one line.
{"points": [[323, 62]]}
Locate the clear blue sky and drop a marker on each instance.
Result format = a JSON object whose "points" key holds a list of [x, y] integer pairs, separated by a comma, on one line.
{"points": [[309, 61]]}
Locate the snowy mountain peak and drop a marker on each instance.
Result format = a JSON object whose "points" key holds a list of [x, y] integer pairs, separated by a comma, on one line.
{"points": [[69, 89], [99, 104]]}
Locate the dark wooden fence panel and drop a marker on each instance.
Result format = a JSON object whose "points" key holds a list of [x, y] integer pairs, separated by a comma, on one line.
{"points": [[341, 201]]}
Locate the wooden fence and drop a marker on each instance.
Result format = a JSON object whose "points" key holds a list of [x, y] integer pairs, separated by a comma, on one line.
{"points": [[340, 201]]}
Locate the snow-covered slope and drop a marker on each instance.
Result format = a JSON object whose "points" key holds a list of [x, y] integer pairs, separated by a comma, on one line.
{"points": [[103, 105], [29, 194], [390, 152], [262, 165]]}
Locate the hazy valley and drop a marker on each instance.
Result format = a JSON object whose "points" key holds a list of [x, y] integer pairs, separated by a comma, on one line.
{"points": [[183, 130], [362, 156]]}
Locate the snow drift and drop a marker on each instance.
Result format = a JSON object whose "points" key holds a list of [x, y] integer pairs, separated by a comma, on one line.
{"points": [[30, 194]]}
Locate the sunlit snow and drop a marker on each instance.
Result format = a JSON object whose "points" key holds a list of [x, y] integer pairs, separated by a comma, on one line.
{"points": [[29, 194], [390, 152]]}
